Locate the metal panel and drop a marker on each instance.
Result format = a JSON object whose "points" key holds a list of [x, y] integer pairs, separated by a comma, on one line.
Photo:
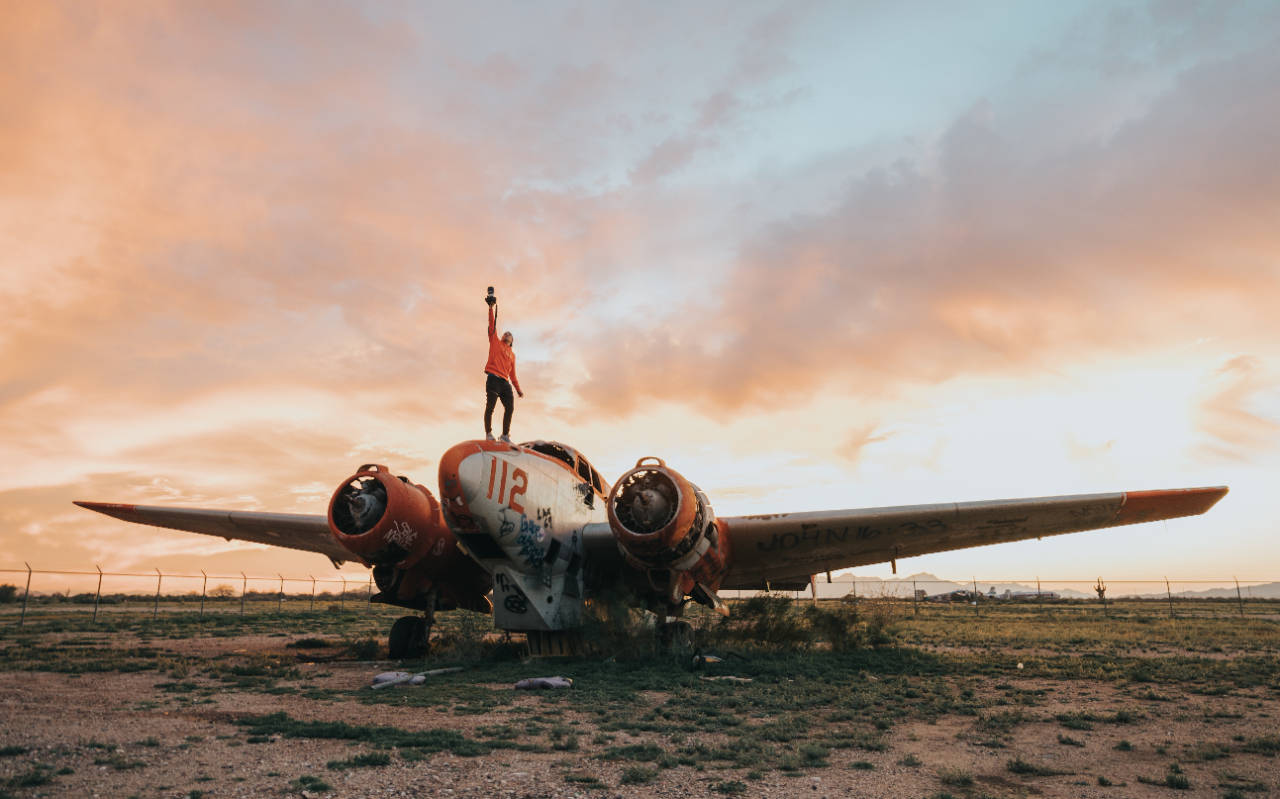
{"points": [[792, 545], [292, 530]]}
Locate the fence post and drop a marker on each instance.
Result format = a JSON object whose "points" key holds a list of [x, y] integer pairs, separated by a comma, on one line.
{"points": [[368, 591], [1169, 593], [975, 594], [915, 600], [244, 586], [204, 586], [1039, 596], [155, 609], [25, 595], [1239, 598], [313, 592], [342, 600], [280, 594], [98, 595]]}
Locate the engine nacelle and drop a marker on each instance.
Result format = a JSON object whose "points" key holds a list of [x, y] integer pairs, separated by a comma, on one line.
{"points": [[664, 523], [385, 520]]}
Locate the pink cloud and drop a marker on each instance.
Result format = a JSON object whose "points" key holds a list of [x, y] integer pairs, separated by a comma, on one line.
{"points": [[227, 201], [1003, 259], [1232, 414]]}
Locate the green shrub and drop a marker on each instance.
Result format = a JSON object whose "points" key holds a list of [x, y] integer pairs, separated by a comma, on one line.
{"points": [[956, 777], [613, 624], [837, 626], [587, 780], [767, 619], [367, 760], [365, 649], [1020, 766], [1268, 745], [309, 783], [638, 775], [880, 618], [1177, 781], [307, 643]]}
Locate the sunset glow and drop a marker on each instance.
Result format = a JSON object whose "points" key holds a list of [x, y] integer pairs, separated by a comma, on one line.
{"points": [[814, 255]]}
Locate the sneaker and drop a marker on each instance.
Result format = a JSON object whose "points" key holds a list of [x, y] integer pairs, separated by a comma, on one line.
{"points": [[504, 438], [488, 436]]}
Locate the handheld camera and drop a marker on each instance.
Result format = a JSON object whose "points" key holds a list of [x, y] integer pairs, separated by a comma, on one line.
{"points": [[489, 298]]}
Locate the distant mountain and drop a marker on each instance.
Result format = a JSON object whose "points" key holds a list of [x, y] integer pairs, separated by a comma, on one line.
{"points": [[1263, 591], [840, 585], [871, 587]]}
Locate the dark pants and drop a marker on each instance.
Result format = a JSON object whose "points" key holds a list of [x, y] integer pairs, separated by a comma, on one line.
{"points": [[495, 388]]}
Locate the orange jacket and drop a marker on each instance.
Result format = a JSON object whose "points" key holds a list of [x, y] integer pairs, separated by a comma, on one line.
{"points": [[502, 360]]}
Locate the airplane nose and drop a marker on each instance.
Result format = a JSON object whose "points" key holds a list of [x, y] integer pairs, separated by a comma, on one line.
{"points": [[452, 485]]}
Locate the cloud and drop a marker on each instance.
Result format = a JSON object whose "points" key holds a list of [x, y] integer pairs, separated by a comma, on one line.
{"points": [[860, 438], [998, 259], [246, 244], [1241, 410], [246, 247]]}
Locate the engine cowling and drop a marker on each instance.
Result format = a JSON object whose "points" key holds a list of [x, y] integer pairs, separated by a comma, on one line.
{"points": [[385, 520], [664, 523]]}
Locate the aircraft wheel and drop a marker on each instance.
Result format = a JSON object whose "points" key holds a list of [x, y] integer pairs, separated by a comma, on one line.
{"points": [[408, 638]]}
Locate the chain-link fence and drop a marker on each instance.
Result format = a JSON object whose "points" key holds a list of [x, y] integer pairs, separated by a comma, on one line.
{"points": [[99, 592], [1180, 596]]}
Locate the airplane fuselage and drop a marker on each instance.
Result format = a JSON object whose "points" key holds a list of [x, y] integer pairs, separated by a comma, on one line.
{"points": [[519, 512]]}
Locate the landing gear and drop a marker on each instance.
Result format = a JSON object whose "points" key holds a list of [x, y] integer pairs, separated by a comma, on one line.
{"points": [[555, 643], [675, 636], [409, 637]]}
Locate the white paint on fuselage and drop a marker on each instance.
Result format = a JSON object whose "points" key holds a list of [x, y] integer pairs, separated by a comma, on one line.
{"points": [[534, 509]]}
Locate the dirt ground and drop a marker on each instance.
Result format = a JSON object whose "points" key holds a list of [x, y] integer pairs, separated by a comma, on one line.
{"points": [[120, 734]]}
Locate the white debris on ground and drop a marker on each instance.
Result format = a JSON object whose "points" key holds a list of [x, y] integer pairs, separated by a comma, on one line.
{"points": [[389, 678], [535, 683]]}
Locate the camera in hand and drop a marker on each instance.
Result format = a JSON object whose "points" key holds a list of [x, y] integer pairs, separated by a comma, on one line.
{"points": [[490, 298]]}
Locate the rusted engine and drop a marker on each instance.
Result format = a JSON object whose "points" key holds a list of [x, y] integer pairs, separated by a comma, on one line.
{"points": [[397, 527], [666, 528]]}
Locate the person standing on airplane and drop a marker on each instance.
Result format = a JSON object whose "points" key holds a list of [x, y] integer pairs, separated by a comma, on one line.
{"points": [[500, 374]]}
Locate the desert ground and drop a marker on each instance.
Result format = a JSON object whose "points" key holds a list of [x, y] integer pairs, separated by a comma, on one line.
{"points": [[1065, 700]]}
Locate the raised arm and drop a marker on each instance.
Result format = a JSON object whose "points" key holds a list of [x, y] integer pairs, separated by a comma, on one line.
{"points": [[493, 321]]}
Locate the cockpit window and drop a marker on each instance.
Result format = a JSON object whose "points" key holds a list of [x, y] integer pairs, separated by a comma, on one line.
{"points": [[576, 463], [554, 450]]}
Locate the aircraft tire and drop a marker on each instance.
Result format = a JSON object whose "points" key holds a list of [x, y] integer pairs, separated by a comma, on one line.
{"points": [[408, 638]]}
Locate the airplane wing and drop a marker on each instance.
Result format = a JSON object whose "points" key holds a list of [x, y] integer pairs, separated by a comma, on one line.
{"points": [[293, 530], [782, 550]]}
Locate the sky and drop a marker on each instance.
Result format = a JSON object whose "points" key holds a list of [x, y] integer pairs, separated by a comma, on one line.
{"points": [[815, 255]]}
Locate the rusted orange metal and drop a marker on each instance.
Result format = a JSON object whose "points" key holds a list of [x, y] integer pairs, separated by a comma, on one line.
{"points": [[1148, 506], [411, 523]]}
